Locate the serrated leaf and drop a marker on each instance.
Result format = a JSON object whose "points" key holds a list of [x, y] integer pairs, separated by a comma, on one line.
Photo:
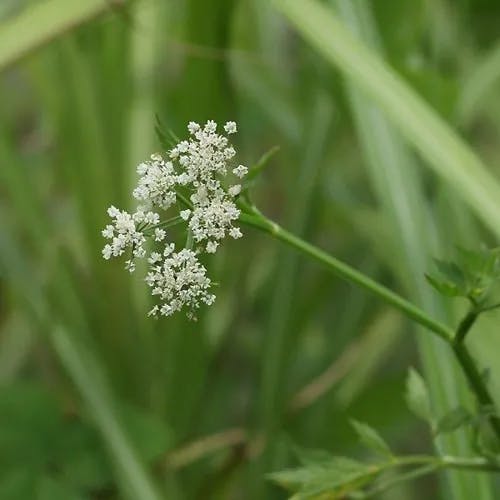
{"points": [[473, 261], [417, 396], [444, 288], [339, 474], [307, 456], [452, 272], [453, 420], [371, 438]]}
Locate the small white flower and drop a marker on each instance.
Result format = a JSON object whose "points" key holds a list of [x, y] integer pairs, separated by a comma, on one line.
{"points": [[154, 257], [123, 234], [157, 184], [113, 211], [152, 218], [240, 171], [179, 281], [107, 252], [230, 127], [139, 252], [168, 249], [235, 190], [154, 311], [108, 232], [160, 234], [185, 214], [212, 220], [229, 152], [210, 127], [212, 246], [193, 127], [130, 265], [235, 233]]}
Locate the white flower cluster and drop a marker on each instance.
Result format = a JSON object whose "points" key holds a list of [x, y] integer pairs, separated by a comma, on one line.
{"points": [[195, 170], [179, 280]]}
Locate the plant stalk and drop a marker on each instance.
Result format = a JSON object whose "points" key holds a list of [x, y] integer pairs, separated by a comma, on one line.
{"points": [[470, 369], [349, 274], [344, 271]]}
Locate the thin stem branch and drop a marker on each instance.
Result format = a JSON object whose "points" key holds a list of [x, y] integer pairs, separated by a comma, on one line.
{"points": [[426, 465], [465, 325], [476, 382], [348, 273], [470, 369], [344, 271]]}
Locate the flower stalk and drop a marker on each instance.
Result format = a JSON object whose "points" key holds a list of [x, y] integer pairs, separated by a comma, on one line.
{"points": [[252, 217], [348, 273]]}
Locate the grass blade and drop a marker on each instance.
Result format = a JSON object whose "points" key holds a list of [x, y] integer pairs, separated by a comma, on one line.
{"points": [[90, 383], [399, 189], [446, 153], [42, 22]]}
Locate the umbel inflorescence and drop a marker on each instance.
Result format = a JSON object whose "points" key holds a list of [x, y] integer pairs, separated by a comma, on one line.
{"points": [[191, 184]]}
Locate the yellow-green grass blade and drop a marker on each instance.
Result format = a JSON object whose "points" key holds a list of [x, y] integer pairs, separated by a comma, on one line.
{"points": [[444, 151], [480, 83], [399, 189], [42, 22]]}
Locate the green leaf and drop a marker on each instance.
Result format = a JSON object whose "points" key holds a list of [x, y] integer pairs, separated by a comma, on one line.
{"points": [[452, 273], [42, 22], [444, 288], [339, 474], [444, 151], [417, 396], [371, 438], [453, 420]]}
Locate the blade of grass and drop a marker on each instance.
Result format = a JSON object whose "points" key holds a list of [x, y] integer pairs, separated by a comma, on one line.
{"points": [[478, 84], [446, 153], [399, 189], [89, 380], [44, 21]]}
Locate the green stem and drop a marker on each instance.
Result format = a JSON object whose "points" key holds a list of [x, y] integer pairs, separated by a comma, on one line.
{"points": [[465, 325], [344, 271], [424, 465], [475, 463], [347, 273], [470, 369], [476, 383]]}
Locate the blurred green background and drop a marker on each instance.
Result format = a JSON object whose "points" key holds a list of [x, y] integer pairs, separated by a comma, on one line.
{"points": [[97, 401]]}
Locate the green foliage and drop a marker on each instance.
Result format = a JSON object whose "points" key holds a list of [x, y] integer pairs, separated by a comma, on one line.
{"points": [[453, 420], [417, 396], [337, 476], [45, 453], [80, 86], [371, 438], [322, 475], [475, 276]]}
